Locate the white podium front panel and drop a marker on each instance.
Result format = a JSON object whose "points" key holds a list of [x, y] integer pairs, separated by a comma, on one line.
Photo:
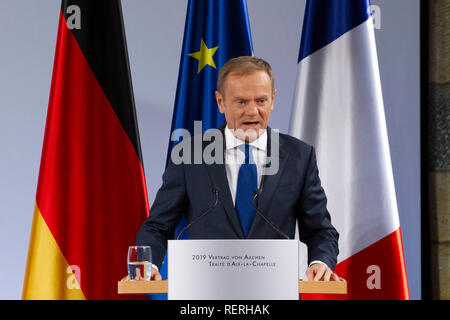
{"points": [[233, 270]]}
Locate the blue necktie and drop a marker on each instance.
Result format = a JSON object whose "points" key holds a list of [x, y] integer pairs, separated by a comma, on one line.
{"points": [[246, 184]]}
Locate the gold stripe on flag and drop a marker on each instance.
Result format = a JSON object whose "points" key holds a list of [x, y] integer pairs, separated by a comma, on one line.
{"points": [[48, 275]]}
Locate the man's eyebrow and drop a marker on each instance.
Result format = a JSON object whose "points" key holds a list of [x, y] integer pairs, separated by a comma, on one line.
{"points": [[258, 97]]}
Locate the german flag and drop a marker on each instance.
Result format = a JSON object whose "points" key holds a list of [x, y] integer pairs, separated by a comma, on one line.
{"points": [[91, 196]]}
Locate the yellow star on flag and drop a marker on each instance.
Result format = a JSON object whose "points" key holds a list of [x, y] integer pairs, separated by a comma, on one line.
{"points": [[204, 56]]}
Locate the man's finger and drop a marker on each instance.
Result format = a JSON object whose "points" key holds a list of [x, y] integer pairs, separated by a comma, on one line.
{"points": [[319, 272], [155, 275], [334, 277], [309, 274], [327, 275]]}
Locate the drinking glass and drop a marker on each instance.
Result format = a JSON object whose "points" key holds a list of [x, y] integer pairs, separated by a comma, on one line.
{"points": [[139, 263]]}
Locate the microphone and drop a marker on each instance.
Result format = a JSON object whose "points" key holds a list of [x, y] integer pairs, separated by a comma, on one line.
{"points": [[215, 190], [256, 194]]}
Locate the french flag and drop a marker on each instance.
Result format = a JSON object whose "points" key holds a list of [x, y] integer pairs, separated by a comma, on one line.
{"points": [[338, 108]]}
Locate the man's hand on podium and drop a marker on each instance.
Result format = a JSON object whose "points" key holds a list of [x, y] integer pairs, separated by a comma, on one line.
{"points": [[155, 275], [321, 272]]}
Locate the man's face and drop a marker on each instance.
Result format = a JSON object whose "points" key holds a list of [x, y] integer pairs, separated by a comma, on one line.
{"points": [[247, 102]]}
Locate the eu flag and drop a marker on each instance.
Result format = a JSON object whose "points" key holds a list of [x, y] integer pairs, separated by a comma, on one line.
{"points": [[215, 31]]}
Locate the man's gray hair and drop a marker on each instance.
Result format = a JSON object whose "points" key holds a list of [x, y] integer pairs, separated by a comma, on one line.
{"points": [[243, 65]]}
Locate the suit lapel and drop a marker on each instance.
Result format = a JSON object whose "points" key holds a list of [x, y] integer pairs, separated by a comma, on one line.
{"points": [[219, 178], [270, 182]]}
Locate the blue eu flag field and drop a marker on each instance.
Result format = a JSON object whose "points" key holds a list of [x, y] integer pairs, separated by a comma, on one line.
{"points": [[215, 31]]}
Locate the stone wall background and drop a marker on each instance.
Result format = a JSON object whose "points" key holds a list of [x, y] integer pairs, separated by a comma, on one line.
{"points": [[438, 115]]}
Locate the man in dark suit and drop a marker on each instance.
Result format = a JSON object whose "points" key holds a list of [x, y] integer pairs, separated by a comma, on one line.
{"points": [[290, 194]]}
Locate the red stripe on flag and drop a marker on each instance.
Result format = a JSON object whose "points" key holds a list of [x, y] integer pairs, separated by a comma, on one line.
{"points": [[375, 273], [91, 189]]}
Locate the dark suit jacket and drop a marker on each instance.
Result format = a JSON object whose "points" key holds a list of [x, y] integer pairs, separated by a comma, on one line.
{"points": [[293, 194]]}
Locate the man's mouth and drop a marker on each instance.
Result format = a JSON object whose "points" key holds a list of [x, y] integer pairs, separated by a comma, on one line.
{"points": [[250, 123], [249, 130]]}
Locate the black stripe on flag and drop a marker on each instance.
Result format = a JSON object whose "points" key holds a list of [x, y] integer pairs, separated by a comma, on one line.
{"points": [[101, 37]]}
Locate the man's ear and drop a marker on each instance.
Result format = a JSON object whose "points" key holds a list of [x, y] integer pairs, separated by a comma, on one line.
{"points": [[219, 99], [273, 98]]}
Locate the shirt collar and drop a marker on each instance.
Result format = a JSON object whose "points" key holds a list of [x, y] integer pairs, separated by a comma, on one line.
{"points": [[232, 142]]}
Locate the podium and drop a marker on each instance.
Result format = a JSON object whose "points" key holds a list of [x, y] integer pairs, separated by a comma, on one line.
{"points": [[161, 286], [232, 270]]}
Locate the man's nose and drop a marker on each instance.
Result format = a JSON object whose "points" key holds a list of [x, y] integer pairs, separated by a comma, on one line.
{"points": [[252, 108]]}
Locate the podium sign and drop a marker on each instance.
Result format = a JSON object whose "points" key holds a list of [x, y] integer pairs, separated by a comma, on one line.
{"points": [[233, 270]]}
